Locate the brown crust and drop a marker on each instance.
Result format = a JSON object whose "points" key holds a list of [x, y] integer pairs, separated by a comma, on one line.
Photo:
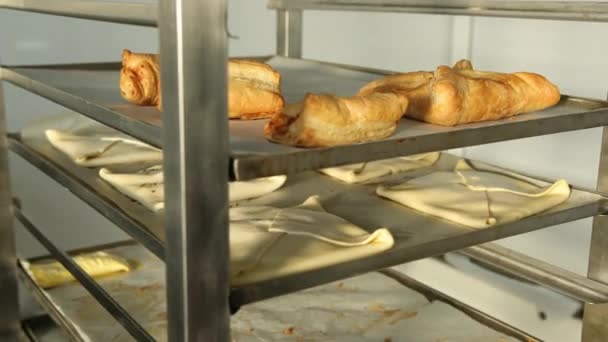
{"points": [[460, 95], [329, 120], [139, 78], [254, 88]]}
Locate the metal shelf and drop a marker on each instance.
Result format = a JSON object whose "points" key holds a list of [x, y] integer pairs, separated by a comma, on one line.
{"points": [[417, 235], [143, 13], [137, 221], [558, 10], [92, 287], [569, 283], [70, 308], [93, 90]]}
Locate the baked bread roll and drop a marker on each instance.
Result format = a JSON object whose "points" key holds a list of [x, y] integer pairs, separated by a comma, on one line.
{"points": [[253, 88], [460, 95], [329, 120], [140, 78]]}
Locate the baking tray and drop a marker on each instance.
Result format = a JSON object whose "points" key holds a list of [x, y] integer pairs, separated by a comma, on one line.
{"points": [[417, 235], [92, 89], [372, 307]]}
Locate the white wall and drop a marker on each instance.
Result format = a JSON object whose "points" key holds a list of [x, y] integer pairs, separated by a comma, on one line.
{"points": [[571, 54]]}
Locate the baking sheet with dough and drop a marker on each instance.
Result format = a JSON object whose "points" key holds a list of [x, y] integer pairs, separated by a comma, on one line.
{"points": [[376, 171], [131, 166], [147, 186], [91, 144], [477, 195], [371, 307]]}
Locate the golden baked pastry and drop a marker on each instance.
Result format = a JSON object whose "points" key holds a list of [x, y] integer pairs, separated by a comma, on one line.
{"points": [[460, 95], [329, 120], [140, 78], [253, 88]]}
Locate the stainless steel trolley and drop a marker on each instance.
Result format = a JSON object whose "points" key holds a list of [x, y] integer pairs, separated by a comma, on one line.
{"points": [[202, 148]]}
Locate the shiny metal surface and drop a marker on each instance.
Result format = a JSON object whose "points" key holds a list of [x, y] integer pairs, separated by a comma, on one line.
{"points": [[289, 33], [595, 319], [93, 90], [194, 54], [40, 296], [9, 306], [144, 226], [477, 315], [417, 235], [539, 272], [43, 329], [108, 303], [559, 10], [350, 300], [137, 13]]}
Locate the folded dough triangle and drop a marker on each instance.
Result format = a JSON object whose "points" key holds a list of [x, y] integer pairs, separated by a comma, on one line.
{"points": [[298, 239], [102, 147], [52, 273], [147, 186], [477, 197], [375, 170]]}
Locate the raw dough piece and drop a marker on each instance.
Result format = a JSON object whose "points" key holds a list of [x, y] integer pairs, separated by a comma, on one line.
{"points": [[329, 120], [103, 147], [477, 197], [89, 143], [460, 95], [362, 172], [51, 274], [254, 89], [147, 186], [296, 240]]}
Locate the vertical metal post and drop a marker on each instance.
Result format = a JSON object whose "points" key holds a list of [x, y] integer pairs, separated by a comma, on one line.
{"points": [[9, 304], [289, 33], [193, 43], [595, 320]]}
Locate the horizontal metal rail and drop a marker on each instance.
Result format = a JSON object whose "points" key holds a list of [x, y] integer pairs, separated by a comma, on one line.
{"points": [[138, 230], [135, 13], [432, 294], [115, 309], [556, 10], [539, 272]]}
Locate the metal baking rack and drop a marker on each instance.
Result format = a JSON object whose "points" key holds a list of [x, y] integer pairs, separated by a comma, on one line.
{"points": [[202, 148]]}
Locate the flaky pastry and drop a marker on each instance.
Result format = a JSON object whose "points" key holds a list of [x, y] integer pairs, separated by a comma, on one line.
{"points": [[460, 95], [328, 120], [253, 88]]}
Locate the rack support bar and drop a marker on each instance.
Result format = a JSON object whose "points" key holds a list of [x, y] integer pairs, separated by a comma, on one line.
{"points": [[553, 277], [289, 33], [118, 12], [117, 311], [9, 305], [556, 10], [193, 42], [595, 319]]}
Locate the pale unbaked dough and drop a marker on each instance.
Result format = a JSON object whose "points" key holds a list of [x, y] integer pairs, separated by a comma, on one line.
{"points": [[92, 144], [147, 186], [363, 172], [50, 274], [293, 240], [99, 145], [477, 197]]}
